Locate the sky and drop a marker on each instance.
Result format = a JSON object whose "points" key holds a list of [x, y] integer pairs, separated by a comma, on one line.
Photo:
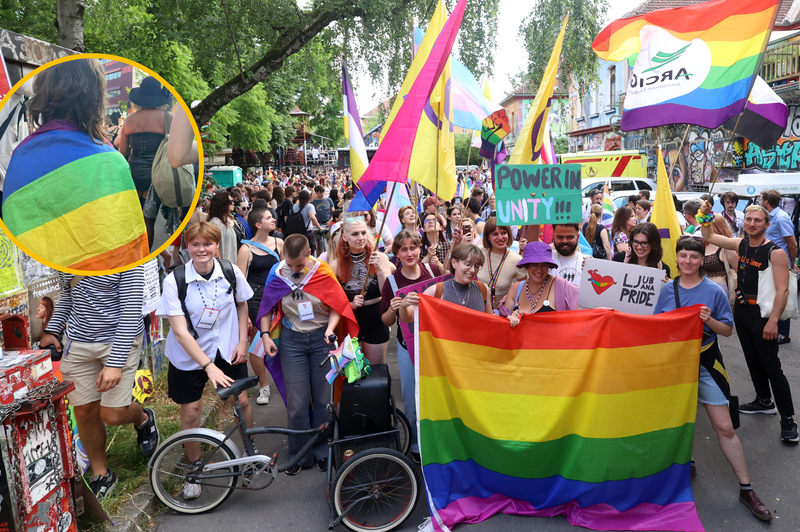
{"points": [[508, 59]]}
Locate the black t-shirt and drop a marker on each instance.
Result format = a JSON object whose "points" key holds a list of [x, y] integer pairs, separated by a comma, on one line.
{"points": [[284, 210], [752, 259]]}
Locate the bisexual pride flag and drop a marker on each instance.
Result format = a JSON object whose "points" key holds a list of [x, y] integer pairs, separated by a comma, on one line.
{"points": [[691, 65], [597, 429], [71, 201]]}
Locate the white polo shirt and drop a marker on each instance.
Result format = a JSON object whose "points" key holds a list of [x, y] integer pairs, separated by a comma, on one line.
{"points": [[213, 293]]}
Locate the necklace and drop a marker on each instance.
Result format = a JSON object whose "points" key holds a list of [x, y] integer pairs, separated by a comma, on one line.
{"points": [[528, 293], [456, 292], [358, 257]]}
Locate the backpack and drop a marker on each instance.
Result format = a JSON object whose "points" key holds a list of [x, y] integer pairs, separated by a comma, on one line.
{"points": [[295, 224], [180, 281], [323, 212], [175, 187]]}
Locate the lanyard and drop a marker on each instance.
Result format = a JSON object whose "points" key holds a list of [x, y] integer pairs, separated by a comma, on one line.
{"points": [[213, 299], [495, 275]]}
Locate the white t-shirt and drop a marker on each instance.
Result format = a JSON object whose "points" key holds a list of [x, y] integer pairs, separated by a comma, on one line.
{"points": [[224, 335], [569, 268]]}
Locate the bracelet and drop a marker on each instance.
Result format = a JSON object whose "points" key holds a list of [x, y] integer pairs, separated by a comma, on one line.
{"points": [[705, 219], [263, 333], [207, 364]]}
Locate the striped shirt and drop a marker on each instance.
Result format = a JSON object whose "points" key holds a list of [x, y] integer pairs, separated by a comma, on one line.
{"points": [[103, 309]]}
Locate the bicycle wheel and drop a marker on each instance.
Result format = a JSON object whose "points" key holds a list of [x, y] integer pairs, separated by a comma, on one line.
{"points": [[402, 424], [170, 466], [387, 478]]}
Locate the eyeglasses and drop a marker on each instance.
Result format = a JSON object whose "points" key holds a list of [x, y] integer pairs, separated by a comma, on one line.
{"points": [[639, 243]]}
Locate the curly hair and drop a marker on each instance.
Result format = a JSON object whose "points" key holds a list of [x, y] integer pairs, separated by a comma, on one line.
{"points": [[74, 91]]}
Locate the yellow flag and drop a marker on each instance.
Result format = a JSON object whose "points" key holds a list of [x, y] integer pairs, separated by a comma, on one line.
{"points": [[434, 145], [665, 217], [528, 149]]}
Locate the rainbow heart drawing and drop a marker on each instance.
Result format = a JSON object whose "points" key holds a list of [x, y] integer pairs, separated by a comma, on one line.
{"points": [[600, 283]]}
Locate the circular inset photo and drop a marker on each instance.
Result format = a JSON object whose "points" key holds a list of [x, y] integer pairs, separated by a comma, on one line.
{"points": [[104, 168]]}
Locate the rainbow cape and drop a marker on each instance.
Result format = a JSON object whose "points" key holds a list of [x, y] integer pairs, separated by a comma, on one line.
{"points": [[691, 65], [320, 282], [513, 421], [72, 201]]}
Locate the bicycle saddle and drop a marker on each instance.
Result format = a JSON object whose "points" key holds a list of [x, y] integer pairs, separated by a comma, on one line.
{"points": [[237, 387]]}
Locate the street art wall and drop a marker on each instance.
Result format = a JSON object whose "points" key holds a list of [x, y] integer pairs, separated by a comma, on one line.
{"points": [[785, 155]]}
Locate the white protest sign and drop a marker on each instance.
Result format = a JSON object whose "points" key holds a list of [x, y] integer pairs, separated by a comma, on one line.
{"points": [[152, 289], [625, 287]]}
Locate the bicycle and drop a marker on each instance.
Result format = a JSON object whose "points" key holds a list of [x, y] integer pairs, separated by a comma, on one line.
{"points": [[375, 487]]}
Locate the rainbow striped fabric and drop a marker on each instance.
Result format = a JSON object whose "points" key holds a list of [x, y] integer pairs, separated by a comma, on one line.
{"points": [[72, 202], [513, 421], [691, 65]]}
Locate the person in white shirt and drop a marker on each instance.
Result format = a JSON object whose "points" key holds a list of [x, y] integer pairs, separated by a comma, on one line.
{"points": [[734, 218], [218, 316], [568, 256], [595, 198]]}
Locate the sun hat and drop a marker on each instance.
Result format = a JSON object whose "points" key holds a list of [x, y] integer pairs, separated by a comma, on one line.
{"points": [[150, 93], [536, 253]]}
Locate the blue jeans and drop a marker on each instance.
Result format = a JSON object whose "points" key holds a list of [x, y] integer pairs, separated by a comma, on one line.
{"points": [[301, 356], [408, 384]]}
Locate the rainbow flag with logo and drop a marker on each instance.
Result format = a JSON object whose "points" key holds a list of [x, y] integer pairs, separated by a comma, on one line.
{"points": [[691, 65], [72, 201], [514, 421]]}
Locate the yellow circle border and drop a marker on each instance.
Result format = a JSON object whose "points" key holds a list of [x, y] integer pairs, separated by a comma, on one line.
{"points": [[200, 155]]}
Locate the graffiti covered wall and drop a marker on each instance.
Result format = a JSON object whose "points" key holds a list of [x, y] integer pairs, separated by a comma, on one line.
{"points": [[785, 155]]}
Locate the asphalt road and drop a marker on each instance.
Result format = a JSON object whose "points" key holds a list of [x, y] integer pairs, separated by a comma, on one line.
{"points": [[298, 503]]}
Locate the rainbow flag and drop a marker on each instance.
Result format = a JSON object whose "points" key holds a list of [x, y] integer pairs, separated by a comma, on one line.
{"points": [[320, 282], [691, 65], [514, 421], [608, 208], [72, 201]]}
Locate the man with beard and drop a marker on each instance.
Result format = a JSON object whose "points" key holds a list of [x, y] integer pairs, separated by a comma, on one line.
{"points": [[568, 257]]}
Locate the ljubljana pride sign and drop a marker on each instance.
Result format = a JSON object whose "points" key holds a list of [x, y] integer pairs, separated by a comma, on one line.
{"points": [[532, 194]]}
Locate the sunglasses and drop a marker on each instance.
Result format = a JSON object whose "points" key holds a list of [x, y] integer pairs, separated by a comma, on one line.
{"points": [[354, 219], [693, 237]]}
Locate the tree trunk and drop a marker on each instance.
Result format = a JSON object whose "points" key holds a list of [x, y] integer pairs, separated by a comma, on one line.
{"points": [[69, 22]]}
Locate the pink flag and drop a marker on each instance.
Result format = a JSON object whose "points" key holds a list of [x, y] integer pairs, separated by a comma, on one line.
{"points": [[393, 157]]}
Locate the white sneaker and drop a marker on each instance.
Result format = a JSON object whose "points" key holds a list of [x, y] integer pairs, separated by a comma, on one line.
{"points": [[191, 491], [426, 525], [263, 396]]}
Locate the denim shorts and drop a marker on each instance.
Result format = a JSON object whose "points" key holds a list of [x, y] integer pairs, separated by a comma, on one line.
{"points": [[708, 392]]}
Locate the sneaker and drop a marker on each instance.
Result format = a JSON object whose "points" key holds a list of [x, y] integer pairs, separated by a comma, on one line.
{"points": [[758, 407], [789, 431], [147, 435], [263, 396], [415, 457], [294, 470], [191, 491], [322, 464], [783, 339], [102, 486]]}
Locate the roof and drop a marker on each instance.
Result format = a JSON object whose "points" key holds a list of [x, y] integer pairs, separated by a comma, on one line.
{"points": [[297, 112], [654, 5], [788, 14]]}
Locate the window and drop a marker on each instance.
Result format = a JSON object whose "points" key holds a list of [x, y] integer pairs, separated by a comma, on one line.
{"points": [[113, 93], [622, 186], [596, 101], [643, 186], [113, 75], [104, 61], [612, 87]]}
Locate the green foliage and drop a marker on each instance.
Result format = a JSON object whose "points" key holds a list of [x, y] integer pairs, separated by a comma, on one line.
{"points": [[462, 143], [561, 145], [30, 17], [539, 31]]}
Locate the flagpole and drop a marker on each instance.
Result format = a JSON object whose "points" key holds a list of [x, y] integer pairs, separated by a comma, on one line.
{"points": [[469, 154], [730, 141], [672, 164], [378, 235]]}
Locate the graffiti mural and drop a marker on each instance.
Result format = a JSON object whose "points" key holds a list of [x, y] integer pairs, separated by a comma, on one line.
{"points": [[604, 141], [785, 155]]}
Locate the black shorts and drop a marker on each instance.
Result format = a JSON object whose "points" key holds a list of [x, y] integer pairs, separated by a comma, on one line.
{"points": [[371, 329], [187, 386]]}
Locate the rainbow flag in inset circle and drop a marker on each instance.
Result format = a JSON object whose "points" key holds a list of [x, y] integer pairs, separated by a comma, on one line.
{"points": [[515, 421], [691, 65], [72, 201]]}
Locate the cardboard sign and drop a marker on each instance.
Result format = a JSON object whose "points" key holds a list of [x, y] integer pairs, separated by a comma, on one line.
{"points": [[625, 287], [408, 328], [152, 289], [533, 194]]}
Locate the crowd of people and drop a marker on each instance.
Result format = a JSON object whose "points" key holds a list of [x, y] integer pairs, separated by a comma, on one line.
{"points": [[343, 268]]}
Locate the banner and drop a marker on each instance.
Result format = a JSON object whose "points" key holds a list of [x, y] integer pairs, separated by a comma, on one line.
{"points": [[518, 421], [625, 287], [538, 194]]}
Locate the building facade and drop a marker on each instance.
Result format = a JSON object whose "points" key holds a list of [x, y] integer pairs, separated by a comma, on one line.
{"points": [[120, 78]]}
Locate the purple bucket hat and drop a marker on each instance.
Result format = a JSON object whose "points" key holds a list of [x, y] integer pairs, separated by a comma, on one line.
{"points": [[535, 253]]}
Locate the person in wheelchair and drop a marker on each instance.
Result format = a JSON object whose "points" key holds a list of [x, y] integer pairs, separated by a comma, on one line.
{"points": [[303, 297]]}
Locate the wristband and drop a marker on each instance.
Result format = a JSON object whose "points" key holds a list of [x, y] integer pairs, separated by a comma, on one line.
{"points": [[263, 333], [207, 364]]}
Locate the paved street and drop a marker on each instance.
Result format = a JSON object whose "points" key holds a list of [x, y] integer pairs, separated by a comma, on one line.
{"points": [[298, 503]]}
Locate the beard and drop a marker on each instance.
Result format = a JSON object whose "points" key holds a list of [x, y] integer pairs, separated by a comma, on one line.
{"points": [[565, 249]]}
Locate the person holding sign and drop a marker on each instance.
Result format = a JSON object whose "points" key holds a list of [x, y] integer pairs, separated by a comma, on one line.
{"points": [[759, 335], [645, 242], [691, 287], [499, 270], [406, 247], [543, 291]]}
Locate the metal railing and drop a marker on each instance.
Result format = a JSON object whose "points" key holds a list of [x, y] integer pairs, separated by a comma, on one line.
{"points": [[781, 64]]}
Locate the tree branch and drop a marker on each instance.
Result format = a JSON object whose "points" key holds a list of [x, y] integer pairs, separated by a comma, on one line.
{"points": [[233, 38]]}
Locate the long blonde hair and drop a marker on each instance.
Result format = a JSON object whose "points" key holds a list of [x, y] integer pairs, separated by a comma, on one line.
{"points": [[591, 229]]}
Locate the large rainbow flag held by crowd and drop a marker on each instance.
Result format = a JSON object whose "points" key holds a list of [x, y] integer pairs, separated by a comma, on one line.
{"points": [[516, 421], [72, 201], [691, 65]]}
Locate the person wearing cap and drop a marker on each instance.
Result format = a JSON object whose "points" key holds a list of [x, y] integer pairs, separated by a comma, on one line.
{"points": [[432, 205], [139, 139], [543, 291]]}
